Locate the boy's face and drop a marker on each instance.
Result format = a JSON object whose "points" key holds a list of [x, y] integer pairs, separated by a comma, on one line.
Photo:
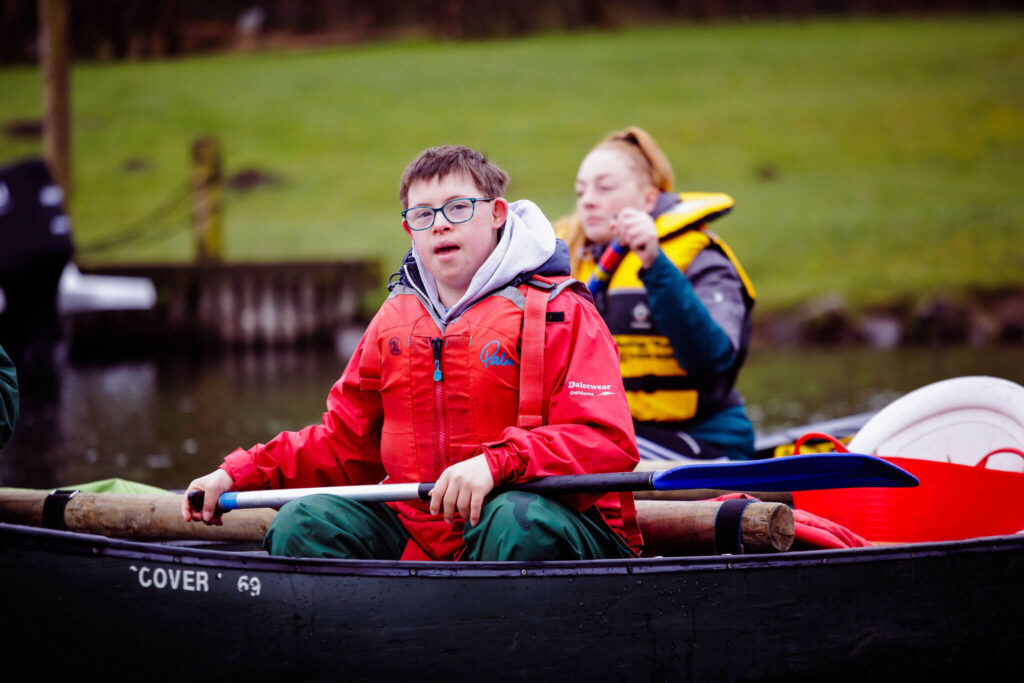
{"points": [[453, 252]]}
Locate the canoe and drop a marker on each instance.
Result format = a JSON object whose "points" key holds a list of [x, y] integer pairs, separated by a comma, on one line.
{"points": [[167, 609], [77, 602]]}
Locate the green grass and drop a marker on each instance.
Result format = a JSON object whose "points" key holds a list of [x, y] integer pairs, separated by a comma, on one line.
{"points": [[897, 146]]}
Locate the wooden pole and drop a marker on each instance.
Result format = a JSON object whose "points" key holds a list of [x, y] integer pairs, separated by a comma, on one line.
{"points": [[688, 527], [138, 516], [53, 41], [669, 527], [207, 190]]}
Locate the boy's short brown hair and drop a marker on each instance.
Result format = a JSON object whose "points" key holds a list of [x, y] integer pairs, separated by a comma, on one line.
{"points": [[440, 162]]}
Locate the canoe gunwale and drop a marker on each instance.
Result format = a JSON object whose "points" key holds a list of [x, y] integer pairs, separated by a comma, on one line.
{"points": [[90, 544]]}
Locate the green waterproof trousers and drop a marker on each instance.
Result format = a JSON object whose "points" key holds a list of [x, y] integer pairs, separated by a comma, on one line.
{"points": [[513, 526]]}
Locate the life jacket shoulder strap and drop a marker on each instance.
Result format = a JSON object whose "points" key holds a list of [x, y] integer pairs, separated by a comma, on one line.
{"points": [[531, 373], [531, 359]]}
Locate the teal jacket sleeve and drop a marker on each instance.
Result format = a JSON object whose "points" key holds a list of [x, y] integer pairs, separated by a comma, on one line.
{"points": [[700, 344], [8, 397]]}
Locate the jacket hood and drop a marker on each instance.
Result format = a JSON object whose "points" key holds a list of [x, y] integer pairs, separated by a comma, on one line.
{"points": [[666, 200], [527, 247]]}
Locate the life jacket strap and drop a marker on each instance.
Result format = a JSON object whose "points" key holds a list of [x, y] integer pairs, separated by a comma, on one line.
{"points": [[531, 376], [531, 360]]}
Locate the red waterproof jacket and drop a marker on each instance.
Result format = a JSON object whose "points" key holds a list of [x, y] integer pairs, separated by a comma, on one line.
{"points": [[413, 400]]}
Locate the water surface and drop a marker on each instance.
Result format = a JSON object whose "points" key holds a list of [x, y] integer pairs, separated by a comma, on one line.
{"points": [[165, 421]]}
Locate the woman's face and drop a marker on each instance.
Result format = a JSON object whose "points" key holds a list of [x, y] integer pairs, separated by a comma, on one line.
{"points": [[605, 184]]}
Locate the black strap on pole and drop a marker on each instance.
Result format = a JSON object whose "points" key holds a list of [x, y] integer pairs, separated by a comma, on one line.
{"points": [[728, 532], [53, 508]]}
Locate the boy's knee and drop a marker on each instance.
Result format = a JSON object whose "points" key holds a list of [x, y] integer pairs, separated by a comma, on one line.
{"points": [[516, 525], [329, 526], [289, 531], [517, 510]]}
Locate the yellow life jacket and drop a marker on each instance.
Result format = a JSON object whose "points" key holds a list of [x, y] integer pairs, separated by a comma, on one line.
{"points": [[657, 388]]}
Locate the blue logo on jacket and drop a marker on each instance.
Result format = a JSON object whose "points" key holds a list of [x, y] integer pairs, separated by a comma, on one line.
{"points": [[493, 355]]}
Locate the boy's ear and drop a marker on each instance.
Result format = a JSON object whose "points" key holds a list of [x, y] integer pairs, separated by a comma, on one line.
{"points": [[500, 214], [405, 226]]}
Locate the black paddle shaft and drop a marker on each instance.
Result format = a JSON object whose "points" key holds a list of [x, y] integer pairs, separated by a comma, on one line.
{"points": [[573, 483], [589, 483]]}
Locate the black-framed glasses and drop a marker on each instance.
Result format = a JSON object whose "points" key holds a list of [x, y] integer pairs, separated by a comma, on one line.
{"points": [[455, 210]]}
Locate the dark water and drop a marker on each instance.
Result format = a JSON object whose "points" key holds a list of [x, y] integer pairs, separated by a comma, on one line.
{"points": [[165, 421]]}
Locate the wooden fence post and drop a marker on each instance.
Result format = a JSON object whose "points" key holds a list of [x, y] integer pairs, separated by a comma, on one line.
{"points": [[207, 189], [53, 41]]}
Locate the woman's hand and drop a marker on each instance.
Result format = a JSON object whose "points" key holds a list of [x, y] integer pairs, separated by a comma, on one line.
{"points": [[462, 487], [635, 229], [212, 485]]}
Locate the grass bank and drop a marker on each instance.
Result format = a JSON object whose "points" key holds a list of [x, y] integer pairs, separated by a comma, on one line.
{"points": [[873, 158]]}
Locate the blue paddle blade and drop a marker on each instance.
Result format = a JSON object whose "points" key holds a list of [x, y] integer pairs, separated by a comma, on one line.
{"points": [[792, 473]]}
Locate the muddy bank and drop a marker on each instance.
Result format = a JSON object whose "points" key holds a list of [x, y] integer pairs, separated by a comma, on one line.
{"points": [[975, 318]]}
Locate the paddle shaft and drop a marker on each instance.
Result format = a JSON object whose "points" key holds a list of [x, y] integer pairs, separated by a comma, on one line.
{"points": [[571, 483]]}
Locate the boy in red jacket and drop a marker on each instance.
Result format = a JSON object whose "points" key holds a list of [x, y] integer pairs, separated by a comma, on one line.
{"points": [[432, 394]]}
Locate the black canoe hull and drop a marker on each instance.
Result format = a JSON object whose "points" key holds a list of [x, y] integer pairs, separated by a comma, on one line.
{"points": [[75, 603]]}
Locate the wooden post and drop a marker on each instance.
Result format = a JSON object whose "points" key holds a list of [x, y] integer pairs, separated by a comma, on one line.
{"points": [[206, 185], [53, 41], [689, 527]]}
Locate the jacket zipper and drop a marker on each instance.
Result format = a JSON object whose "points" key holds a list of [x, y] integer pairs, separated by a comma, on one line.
{"points": [[440, 411]]}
